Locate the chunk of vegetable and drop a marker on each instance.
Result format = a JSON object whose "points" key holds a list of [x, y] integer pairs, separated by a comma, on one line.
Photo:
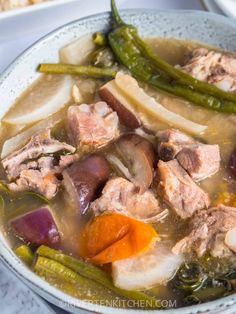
{"points": [[16, 142], [84, 179], [37, 227], [94, 273], [138, 153], [51, 68], [230, 239], [25, 254], [78, 51], [154, 267], [121, 104], [49, 267], [131, 89], [45, 98], [113, 237]]}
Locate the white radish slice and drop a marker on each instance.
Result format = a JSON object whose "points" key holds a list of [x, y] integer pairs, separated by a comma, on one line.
{"points": [[129, 86], [78, 51], [20, 139], [230, 239], [156, 266], [47, 96]]}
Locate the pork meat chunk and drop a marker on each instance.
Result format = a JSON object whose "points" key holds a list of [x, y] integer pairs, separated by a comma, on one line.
{"points": [[171, 142], [200, 161], [210, 231], [178, 190], [156, 266], [92, 126], [122, 196], [212, 67], [35, 167], [41, 143]]}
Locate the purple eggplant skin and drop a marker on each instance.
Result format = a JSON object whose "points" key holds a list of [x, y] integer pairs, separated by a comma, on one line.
{"points": [[84, 179], [37, 227]]}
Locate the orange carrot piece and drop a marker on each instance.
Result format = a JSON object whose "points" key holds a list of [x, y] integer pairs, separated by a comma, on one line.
{"points": [[112, 237]]}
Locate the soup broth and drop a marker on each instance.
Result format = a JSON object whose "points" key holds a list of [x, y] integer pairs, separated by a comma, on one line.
{"points": [[221, 130]]}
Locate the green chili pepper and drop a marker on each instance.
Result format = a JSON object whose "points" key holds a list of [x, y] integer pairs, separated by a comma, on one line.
{"points": [[135, 54]]}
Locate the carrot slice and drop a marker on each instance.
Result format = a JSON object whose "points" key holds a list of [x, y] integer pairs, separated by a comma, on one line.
{"points": [[113, 237]]}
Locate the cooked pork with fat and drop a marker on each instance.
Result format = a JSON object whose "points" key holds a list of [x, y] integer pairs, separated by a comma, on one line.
{"points": [[92, 126], [178, 190], [170, 143], [199, 160], [210, 232], [34, 167], [156, 266], [212, 67], [121, 196]]}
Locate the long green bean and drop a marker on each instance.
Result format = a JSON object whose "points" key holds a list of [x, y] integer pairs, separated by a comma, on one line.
{"points": [[70, 69], [94, 273]]}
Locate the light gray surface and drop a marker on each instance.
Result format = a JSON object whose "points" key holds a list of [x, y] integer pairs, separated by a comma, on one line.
{"points": [[15, 297]]}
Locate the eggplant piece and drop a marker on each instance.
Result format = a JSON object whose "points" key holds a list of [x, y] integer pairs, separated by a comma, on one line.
{"points": [[139, 156], [37, 227], [84, 179], [125, 111]]}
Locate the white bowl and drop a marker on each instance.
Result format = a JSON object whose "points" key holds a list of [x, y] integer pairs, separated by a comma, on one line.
{"points": [[199, 26]]}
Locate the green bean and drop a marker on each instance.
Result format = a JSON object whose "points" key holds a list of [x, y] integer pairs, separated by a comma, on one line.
{"points": [[99, 39], [76, 70], [25, 254], [94, 273], [59, 271]]}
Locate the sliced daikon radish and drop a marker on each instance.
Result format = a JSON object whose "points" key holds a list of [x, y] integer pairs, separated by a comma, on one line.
{"points": [[20, 139], [78, 51], [47, 96], [129, 86], [156, 266], [230, 239]]}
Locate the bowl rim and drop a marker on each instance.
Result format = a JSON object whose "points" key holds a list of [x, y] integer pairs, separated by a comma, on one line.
{"points": [[39, 285]]}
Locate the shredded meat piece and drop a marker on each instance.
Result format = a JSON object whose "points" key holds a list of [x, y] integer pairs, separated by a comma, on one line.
{"points": [[93, 125], [208, 230], [212, 67], [41, 173], [122, 196], [178, 190], [40, 144]]}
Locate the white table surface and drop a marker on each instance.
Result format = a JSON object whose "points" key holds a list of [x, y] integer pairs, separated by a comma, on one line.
{"points": [[15, 36]]}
